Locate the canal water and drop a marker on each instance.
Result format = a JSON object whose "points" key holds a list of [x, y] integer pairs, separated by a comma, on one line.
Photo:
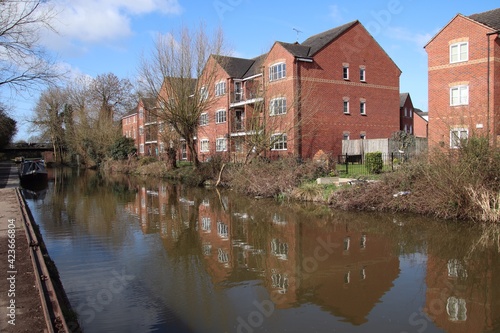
{"points": [[151, 256]]}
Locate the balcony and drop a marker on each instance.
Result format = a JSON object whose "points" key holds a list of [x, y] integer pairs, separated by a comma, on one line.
{"points": [[243, 97]]}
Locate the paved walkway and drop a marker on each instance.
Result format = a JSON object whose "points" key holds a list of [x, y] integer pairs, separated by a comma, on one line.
{"points": [[20, 302]]}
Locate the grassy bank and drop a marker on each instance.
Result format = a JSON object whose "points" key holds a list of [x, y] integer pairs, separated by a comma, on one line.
{"points": [[462, 184]]}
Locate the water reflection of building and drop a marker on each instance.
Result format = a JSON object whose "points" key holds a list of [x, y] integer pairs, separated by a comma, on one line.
{"points": [[462, 294], [344, 271], [347, 270], [214, 229]]}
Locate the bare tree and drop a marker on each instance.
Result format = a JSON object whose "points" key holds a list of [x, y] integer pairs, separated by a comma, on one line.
{"points": [[23, 62], [180, 73], [80, 116], [49, 118], [275, 123], [112, 96]]}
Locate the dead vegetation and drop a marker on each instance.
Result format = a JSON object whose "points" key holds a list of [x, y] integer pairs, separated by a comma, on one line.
{"points": [[463, 184]]}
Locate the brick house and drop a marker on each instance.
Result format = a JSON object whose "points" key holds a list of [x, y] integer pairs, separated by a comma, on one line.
{"points": [[301, 98], [141, 125], [406, 113], [420, 123], [336, 85], [464, 79]]}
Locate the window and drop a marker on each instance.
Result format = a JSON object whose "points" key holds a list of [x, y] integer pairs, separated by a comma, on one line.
{"points": [[457, 135], [346, 106], [459, 52], [456, 309], [141, 131], [204, 119], [141, 148], [459, 95], [362, 107], [345, 71], [203, 93], [220, 88], [221, 144], [277, 106], [278, 142], [362, 74], [362, 136], [206, 224], [183, 150], [222, 229], [141, 113], [204, 147], [345, 136], [220, 116], [277, 71]]}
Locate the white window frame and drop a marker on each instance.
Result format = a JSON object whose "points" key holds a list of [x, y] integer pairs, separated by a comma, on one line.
{"points": [[362, 108], [277, 71], [141, 148], [203, 93], [277, 106], [204, 145], [457, 135], [220, 116], [279, 144], [206, 224], [222, 230], [362, 74], [204, 119], [346, 107], [345, 72], [220, 88], [457, 52], [462, 97], [221, 144]]}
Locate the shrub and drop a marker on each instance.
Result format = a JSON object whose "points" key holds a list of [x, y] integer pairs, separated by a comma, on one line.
{"points": [[464, 184], [270, 179], [147, 160], [374, 162], [121, 148]]}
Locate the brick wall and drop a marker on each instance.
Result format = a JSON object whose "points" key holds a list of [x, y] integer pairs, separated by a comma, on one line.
{"points": [[324, 120], [443, 75]]}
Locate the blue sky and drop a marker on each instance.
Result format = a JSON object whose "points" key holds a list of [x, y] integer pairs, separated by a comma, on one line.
{"points": [[101, 36]]}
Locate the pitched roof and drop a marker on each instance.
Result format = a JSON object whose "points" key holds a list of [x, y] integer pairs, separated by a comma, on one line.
{"points": [[402, 99], [235, 67], [130, 113], [317, 42], [490, 18], [296, 49], [149, 102], [256, 66]]}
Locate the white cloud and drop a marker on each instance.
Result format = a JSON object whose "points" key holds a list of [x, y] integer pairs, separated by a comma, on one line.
{"points": [[404, 34], [97, 21], [335, 14]]}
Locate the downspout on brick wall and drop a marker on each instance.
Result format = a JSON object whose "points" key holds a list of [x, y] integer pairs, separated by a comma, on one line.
{"points": [[488, 93]]}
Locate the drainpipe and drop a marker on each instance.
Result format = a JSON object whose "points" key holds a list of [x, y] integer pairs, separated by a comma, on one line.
{"points": [[488, 93], [298, 138]]}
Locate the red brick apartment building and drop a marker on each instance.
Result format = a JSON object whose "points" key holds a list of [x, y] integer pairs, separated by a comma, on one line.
{"points": [[339, 84], [406, 113], [464, 79], [140, 124]]}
